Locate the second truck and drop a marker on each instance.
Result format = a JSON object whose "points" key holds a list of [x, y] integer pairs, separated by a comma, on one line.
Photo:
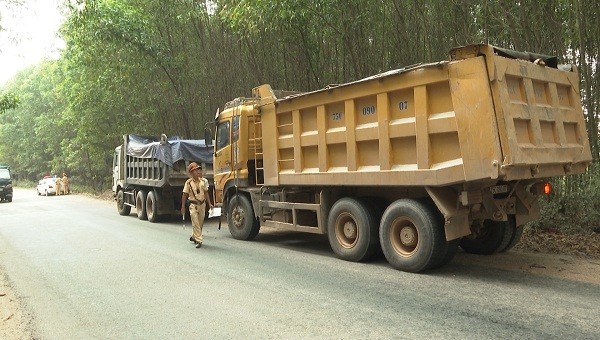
{"points": [[413, 162], [149, 173]]}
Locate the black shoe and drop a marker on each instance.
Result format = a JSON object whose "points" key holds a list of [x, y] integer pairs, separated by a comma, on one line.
{"points": [[192, 239], [198, 245]]}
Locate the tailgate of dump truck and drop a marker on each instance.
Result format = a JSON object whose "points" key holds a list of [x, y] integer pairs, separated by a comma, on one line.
{"points": [[539, 115]]}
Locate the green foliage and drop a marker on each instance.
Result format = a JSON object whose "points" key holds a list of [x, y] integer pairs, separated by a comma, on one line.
{"points": [[165, 66], [572, 212], [8, 101], [574, 205], [31, 132]]}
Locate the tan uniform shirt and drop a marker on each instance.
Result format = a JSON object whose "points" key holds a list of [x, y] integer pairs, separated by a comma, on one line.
{"points": [[195, 189]]}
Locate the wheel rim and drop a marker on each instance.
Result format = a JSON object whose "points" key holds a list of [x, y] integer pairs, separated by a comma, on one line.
{"points": [[346, 230], [238, 217], [404, 237], [481, 231]]}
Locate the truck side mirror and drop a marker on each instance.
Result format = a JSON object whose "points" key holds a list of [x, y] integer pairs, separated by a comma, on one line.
{"points": [[208, 140]]}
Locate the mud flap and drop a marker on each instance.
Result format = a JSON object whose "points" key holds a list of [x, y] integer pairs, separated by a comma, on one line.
{"points": [[456, 217]]}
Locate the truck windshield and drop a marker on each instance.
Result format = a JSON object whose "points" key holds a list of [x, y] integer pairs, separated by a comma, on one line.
{"points": [[4, 174]]}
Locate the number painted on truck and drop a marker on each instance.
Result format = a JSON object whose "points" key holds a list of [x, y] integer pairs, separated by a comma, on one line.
{"points": [[403, 105], [368, 110], [337, 115]]}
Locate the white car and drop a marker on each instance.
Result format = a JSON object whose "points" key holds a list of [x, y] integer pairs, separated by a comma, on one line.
{"points": [[47, 186]]}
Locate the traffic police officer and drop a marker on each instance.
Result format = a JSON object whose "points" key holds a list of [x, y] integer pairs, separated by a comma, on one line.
{"points": [[195, 191]]}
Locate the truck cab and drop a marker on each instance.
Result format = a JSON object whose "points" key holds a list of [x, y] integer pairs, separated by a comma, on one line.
{"points": [[117, 178]]}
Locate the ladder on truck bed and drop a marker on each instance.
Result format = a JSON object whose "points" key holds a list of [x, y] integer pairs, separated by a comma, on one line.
{"points": [[255, 144]]}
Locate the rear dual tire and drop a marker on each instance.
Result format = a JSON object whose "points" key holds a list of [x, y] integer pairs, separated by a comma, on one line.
{"points": [[493, 237], [140, 205], [352, 230], [152, 207], [412, 237]]}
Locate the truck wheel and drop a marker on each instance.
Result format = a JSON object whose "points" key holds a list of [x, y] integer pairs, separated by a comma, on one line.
{"points": [[140, 205], [412, 237], [515, 238], [351, 230], [450, 247], [152, 207], [450, 250], [122, 208], [376, 206], [487, 239], [240, 218]]}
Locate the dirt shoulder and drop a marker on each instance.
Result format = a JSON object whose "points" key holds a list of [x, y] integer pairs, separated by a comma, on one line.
{"points": [[14, 320], [560, 266]]}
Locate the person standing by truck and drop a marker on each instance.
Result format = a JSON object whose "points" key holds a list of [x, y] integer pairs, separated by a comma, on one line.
{"points": [[195, 192]]}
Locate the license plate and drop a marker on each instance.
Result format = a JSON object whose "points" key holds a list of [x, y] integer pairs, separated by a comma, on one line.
{"points": [[499, 189]]}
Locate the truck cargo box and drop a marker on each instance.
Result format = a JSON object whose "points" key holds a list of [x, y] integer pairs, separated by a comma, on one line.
{"points": [[156, 163], [482, 115]]}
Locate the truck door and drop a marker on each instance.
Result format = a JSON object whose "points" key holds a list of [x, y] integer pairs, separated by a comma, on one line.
{"points": [[222, 166], [116, 168]]}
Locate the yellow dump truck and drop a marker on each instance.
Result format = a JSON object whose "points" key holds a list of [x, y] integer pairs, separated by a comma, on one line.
{"points": [[412, 162]]}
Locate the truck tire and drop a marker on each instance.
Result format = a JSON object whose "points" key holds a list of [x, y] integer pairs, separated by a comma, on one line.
{"points": [[516, 237], [450, 247], [140, 205], [450, 250], [351, 230], [488, 239], [412, 237], [122, 208], [152, 207], [240, 218], [376, 207], [510, 229]]}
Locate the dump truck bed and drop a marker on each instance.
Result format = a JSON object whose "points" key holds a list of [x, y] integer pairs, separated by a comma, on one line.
{"points": [[152, 162], [483, 115]]}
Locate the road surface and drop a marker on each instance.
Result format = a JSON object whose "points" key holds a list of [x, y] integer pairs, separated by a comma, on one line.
{"points": [[82, 271]]}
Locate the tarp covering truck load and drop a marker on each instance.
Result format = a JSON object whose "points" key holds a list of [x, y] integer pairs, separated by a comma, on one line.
{"points": [[413, 162], [149, 173]]}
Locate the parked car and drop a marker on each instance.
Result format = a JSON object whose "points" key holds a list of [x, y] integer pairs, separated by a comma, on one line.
{"points": [[6, 189], [47, 186]]}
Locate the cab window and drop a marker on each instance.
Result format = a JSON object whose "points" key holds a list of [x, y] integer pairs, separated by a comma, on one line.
{"points": [[222, 135]]}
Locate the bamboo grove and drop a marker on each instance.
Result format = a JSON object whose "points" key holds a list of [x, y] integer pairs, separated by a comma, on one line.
{"points": [[166, 66]]}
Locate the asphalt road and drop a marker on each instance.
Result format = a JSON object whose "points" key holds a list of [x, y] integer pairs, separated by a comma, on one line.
{"points": [[85, 272]]}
